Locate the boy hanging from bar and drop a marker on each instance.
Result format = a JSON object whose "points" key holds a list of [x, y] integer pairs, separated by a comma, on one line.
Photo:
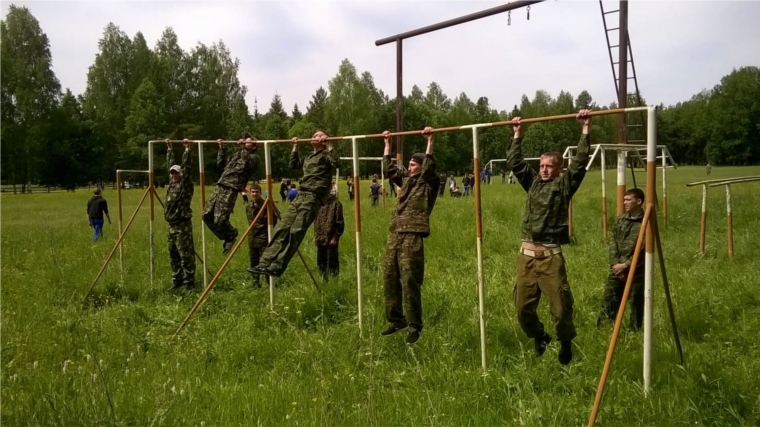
{"points": [[540, 264], [258, 237], [328, 227], [179, 195], [404, 265], [625, 232], [237, 171], [318, 170]]}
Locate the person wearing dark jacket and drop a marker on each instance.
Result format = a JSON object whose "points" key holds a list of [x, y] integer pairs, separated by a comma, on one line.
{"points": [[178, 214], [404, 264], [328, 227], [96, 207], [237, 171]]}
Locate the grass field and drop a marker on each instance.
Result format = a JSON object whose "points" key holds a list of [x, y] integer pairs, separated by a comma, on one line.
{"points": [[112, 362]]}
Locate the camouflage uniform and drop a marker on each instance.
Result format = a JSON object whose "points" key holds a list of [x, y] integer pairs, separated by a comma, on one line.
{"points": [[179, 216], [259, 236], [374, 192], [623, 244], [545, 222], [318, 170], [404, 264], [328, 225], [237, 171]]}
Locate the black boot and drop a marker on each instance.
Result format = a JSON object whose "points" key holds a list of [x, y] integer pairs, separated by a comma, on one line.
{"points": [[565, 355], [541, 343]]}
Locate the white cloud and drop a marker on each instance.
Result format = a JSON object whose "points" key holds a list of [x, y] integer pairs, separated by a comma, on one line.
{"points": [[292, 48]]}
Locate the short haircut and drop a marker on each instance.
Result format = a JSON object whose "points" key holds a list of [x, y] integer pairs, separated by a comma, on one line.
{"points": [[554, 155], [247, 135], [97, 191], [255, 187], [638, 193], [293, 186]]}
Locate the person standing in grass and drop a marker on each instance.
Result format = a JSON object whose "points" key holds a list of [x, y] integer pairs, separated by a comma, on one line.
{"points": [[237, 171], [179, 215], [625, 233], [540, 263], [374, 192], [318, 170], [258, 237], [404, 265], [96, 208], [328, 227]]}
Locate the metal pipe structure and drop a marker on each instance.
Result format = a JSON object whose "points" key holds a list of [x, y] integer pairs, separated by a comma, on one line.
{"points": [[270, 213], [202, 183], [622, 99], [604, 194], [118, 242], [649, 260], [479, 248], [729, 223], [399, 38], [664, 189], [152, 191], [358, 229], [119, 204], [570, 209], [226, 262], [666, 287], [382, 173], [703, 221], [619, 317]]}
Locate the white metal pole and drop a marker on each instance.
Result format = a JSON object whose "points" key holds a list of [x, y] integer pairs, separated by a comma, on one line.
{"points": [[479, 247], [604, 191], [202, 183], [649, 259], [150, 231], [358, 229], [620, 179], [664, 188], [270, 213]]}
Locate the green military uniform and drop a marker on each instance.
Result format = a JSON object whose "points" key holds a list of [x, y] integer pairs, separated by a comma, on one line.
{"points": [[328, 225], [318, 170], [258, 237], [404, 264], [179, 216], [623, 244], [545, 222], [237, 172]]}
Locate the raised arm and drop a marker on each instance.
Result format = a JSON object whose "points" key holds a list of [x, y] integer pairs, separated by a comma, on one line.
{"points": [[576, 171], [169, 154], [429, 173], [221, 155], [393, 171], [295, 160], [187, 163], [516, 163]]}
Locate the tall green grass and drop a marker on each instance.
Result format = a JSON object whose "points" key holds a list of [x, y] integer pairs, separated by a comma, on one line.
{"points": [[237, 362]]}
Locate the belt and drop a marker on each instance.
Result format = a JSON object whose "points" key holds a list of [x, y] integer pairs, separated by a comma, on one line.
{"points": [[541, 254]]}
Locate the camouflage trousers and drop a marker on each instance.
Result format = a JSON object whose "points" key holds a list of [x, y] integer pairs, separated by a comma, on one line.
{"points": [[217, 212], [613, 294], [254, 253], [404, 271], [375, 199], [548, 276], [182, 253], [290, 231], [328, 260]]}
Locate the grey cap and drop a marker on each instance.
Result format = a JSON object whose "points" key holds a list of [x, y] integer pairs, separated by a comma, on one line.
{"points": [[175, 168], [418, 158]]}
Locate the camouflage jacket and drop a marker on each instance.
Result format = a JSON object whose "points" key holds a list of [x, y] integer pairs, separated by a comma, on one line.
{"points": [[179, 195], [329, 222], [625, 232], [258, 237], [416, 196], [237, 169], [545, 218], [318, 170]]}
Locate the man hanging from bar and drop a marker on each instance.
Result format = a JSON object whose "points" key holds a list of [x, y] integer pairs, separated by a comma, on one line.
{"points": [[179, 195], [318, 170], [328, 227], [258, 237], [540, 263], [625, 232], [237, 171], [404, 265]]}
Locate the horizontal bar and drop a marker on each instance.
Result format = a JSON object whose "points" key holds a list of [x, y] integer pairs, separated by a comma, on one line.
{"points": [[362, 158], [691, 184], [196, 141], [613, 29], [612, 11], [625, 147], [130, 171], [456, 21], [740, 181], [614, 46]]}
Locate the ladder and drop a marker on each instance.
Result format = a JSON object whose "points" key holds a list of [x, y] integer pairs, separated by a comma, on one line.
{"points": [[635, 133]]}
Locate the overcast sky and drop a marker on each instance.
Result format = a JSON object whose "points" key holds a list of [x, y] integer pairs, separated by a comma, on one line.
{"points": [[292, 48]]}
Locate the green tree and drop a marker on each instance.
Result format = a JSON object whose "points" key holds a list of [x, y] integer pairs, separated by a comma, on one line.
{"points": [[29, 91]]}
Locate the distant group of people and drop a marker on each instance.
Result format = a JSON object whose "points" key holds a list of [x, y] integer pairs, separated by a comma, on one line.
{"points": [[540, 263]]}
